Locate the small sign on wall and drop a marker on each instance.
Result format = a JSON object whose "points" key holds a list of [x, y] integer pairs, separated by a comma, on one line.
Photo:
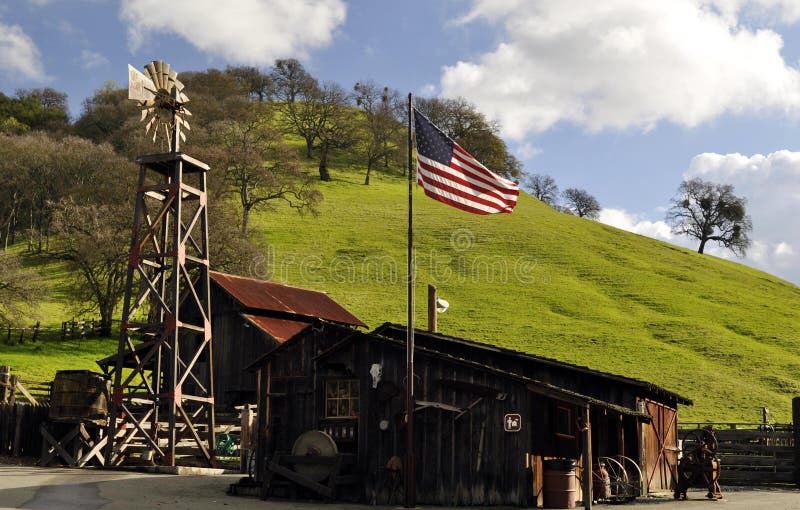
{"points": [[512, 423]]}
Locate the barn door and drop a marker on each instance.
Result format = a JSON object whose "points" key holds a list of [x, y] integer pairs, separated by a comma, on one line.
{"points": [[660, 446]]}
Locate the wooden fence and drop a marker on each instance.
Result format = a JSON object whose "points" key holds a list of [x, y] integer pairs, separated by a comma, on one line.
{"points": [[757, 453], [69, 330], [19, 426]]}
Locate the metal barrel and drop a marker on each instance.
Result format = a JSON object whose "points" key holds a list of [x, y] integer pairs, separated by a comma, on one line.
{"points": [[559, 484], [79, 396]]}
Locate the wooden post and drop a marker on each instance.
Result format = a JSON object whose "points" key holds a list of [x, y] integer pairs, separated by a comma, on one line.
{"points": [[587, 461], [12, 399], [432, 315], [5, 381], [17, 448], [246, 438], [796, 427]]}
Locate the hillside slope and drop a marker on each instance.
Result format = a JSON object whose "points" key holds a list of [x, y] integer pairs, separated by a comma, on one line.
{"points": [[554, 285]]}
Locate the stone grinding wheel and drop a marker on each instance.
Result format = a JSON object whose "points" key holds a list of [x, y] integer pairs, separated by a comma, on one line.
{"points": [[314, 443]]}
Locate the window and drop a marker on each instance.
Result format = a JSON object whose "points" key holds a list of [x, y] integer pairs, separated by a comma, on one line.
{"points": [[564, 421], [341, 399]]}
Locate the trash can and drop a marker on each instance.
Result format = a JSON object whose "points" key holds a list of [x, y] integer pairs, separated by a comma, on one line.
{"points": [[559, 484]]}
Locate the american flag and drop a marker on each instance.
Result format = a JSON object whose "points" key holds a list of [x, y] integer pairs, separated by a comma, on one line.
{"points": [[451, 175]]}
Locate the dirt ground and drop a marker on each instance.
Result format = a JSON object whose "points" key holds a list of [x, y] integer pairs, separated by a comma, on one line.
{"points": [[71, 489]]}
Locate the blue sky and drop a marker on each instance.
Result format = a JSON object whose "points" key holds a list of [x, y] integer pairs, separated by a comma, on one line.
{"points": [[623, 98]]}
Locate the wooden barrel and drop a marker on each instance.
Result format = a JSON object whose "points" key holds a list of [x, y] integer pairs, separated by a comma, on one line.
{"points": [[559, 484], [79, 396]]}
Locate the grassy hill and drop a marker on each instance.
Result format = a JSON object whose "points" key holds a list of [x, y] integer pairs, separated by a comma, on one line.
{"points": [[537, 281], [554, 285]]}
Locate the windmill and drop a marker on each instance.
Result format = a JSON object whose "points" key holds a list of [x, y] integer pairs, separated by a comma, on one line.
{"points": [[161, 98], [163, 384]]}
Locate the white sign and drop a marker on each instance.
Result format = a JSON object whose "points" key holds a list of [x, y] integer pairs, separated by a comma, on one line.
{"points": [[512, 423]]}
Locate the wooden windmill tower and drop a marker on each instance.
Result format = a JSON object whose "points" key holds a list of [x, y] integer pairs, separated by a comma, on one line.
{"points": [[162, 373]]}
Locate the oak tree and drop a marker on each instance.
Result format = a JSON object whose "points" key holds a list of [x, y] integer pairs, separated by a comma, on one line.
{"points": [[711, 212]]}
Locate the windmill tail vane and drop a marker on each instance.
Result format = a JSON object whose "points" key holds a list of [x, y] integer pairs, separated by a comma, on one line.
{"points": [[160, 96]]}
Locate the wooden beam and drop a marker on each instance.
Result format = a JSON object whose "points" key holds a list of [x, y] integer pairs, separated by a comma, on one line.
{"points": [[587, 461], [299, 479], [24, 391]]}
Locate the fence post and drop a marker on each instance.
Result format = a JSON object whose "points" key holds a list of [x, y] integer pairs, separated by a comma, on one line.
{"points": [[5, 380], [796, 430], [35, 331], [12, 399]]}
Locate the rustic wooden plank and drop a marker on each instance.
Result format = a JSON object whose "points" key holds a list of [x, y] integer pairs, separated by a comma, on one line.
{"points": [[24, 391], [754, 460], [749, 435], [756, 448], [17, 446], [796, 434], [754, 477], [300, 479]]}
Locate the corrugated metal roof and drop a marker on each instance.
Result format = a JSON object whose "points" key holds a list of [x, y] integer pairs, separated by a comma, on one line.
{"points": [[398, 331], [275, 297], [279, 329]]}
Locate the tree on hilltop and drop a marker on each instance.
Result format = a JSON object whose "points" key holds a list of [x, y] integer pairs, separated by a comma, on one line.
{"points": [[379, 109], [543, 187], [581, 203], [711, 212]]}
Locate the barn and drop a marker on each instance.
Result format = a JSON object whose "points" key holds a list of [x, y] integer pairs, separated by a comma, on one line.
{"points": [[250, 317], [350, 384]]}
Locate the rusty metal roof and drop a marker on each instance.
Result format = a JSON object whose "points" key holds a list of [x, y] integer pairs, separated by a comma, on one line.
{"points": [[276, 297], [279, 329]]}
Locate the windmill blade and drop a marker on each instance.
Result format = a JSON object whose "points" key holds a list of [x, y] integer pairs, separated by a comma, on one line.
{"points": [[178, 84], [144, 115], [151, 71], [165, 72], [159, 65], [139, 85]]}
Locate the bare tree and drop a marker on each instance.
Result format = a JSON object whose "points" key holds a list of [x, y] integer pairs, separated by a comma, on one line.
{"points": [[298, 98], [20, 289], [259, 168], [543, 187], [580, 203], [258, 85], [711, 212], [381, 128]]}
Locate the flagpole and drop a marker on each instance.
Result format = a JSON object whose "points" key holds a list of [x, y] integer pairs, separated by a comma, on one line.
{"points": [[410, 485]]}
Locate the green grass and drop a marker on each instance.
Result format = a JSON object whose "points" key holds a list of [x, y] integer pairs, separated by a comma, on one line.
{"points": [[38, 362], [537, 281]]}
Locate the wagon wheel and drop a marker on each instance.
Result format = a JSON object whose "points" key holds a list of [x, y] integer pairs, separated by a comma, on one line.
{"points": [[635, 475], [620, 483], [697, 438]]}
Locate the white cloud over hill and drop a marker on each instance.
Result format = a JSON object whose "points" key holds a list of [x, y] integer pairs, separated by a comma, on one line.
{"points": [[626, 63], [254, 32]]}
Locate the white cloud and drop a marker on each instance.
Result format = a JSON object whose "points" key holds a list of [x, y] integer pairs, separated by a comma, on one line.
{"points": [[19, 57], [784, 250], [429, 89], [527, 150], [771, 184], [625, 63], [252, 32], [92, 59], [636, 223]]}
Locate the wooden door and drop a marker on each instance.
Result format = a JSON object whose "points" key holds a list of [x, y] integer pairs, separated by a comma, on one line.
{"points": [[659, 446]]}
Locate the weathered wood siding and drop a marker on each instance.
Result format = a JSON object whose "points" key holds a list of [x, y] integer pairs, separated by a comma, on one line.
{"points": [[235, 347], [462, 459]]}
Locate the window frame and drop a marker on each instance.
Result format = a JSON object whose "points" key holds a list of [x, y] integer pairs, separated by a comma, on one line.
{"points": [[349, 397]]}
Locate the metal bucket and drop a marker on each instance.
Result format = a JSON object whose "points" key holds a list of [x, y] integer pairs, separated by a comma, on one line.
{"points": [[79, 396], [559, 484]]}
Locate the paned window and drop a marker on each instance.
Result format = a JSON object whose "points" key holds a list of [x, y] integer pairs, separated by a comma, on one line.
{"points": [[341, 398], [564, 421]]}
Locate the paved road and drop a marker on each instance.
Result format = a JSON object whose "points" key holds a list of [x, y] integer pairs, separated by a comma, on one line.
{"points": [[89, 489]]}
